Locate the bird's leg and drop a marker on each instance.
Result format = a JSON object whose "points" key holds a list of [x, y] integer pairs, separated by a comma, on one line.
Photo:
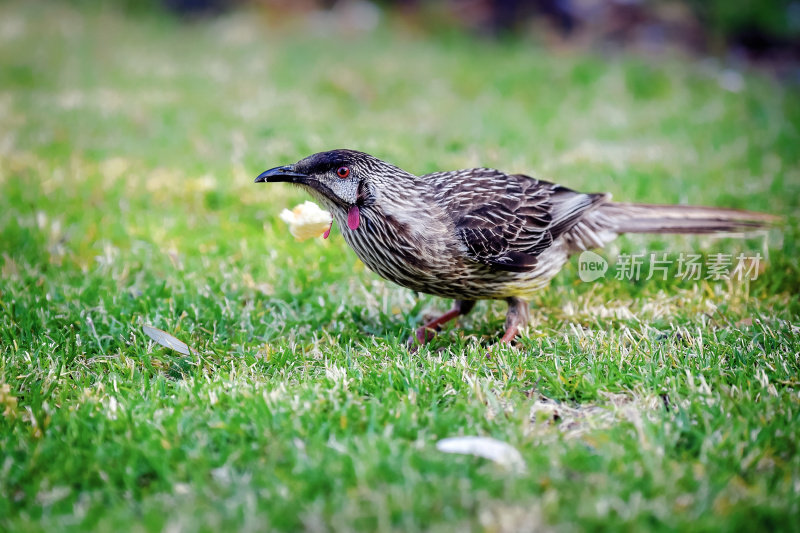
{"points": [[516, 319], [427, 332]]}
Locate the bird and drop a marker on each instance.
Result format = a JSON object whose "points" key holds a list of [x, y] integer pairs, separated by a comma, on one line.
{"points": [[479, 233]]}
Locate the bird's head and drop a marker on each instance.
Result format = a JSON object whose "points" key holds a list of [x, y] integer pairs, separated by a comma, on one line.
{"points": [[340, 176], [343, 180]]}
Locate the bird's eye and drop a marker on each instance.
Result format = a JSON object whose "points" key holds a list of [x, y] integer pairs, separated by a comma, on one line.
{"points": [[343, 172]]}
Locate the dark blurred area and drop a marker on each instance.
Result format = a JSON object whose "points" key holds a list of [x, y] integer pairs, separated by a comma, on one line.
{"points": [[766, 33]]}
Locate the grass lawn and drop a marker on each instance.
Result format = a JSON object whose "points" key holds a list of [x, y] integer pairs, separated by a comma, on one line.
{"points": [[128, 147]]}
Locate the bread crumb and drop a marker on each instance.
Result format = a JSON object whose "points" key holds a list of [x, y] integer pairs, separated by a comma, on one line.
{"points": [[307, 220]]}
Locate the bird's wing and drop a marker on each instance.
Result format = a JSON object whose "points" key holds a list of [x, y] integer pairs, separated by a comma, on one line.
{"points": [[507, 220]]}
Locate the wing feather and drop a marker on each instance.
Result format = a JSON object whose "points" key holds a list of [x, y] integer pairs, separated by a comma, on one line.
{"points": [[507, 220]]}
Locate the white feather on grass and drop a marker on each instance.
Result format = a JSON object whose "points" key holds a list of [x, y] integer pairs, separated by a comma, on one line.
{"points": [[495, 450], [166, 340]]}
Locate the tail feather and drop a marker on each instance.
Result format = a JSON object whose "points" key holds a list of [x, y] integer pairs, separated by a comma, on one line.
{"points": [[652, 218], [604, 222]]}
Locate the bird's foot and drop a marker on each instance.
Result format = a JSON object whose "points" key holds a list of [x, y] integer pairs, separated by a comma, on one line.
{"points": [[423, 335], [516, 319], [427, 332], [509, 335], [507, 340]]}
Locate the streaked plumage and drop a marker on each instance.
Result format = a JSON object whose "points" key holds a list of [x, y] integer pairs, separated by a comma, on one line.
{"points": [[478, 233]]}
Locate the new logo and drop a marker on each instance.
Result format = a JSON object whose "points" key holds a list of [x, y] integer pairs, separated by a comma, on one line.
{"points": [[591, 266]]}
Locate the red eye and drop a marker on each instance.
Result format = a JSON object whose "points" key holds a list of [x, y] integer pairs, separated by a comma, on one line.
{"points": [[343, 172]]}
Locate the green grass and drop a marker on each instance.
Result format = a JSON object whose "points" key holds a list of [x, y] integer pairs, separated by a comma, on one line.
{"points": [[128, 146]]}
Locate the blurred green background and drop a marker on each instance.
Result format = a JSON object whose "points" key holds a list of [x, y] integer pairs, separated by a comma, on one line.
{"points": [[130, 134]]}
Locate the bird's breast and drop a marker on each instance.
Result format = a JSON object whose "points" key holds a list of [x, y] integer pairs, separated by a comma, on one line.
{"points": [[409, 251], [426, 256]]}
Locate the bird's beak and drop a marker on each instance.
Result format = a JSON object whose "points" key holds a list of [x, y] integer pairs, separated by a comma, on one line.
{"points": [[278, 174]]}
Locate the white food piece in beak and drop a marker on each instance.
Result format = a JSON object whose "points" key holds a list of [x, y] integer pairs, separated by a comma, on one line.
{"points": [[307, 220]]}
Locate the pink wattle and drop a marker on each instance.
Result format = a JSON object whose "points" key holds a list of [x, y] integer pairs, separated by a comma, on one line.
{"points": [[353, 218], [327, 232]]}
